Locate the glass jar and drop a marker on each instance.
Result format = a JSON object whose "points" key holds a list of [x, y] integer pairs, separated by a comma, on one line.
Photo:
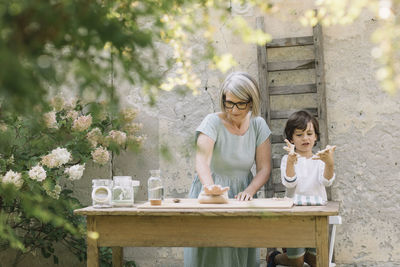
{"points": [[155, 188], [101, 193], [122, 191], [136, 185]]}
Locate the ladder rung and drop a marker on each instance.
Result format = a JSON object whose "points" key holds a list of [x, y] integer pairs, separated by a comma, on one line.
{"points": [[277, 138], [276, 162], [291, 65], [294, 41], [293, 89], [284, 114], [279, 187]]}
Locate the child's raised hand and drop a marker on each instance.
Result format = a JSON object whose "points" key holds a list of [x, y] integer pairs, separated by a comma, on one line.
{"points": [[325, 155], [290, 149]]}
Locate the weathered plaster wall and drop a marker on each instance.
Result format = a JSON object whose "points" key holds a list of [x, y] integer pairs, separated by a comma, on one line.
{"points": [[364, 123]]}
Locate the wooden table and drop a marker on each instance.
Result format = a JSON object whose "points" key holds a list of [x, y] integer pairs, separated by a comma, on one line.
{"points": [[299, 226]]}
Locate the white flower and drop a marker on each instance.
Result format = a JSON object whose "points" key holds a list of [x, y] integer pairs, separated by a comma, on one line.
{"points": [[75, 172], [72, 114], [49, 161], [50, 120], [129, 114], [82, 123], [95, 136], [100, 155], [10, 161], [57, 102], [12, 177], [70, 103], [57, 189], [133, 127], [137, 139], [56, 158], [55, 193], [62, 155], [117, 137], [37, 173], [3, 127]]}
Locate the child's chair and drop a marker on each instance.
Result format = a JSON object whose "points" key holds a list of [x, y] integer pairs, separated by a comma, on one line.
{"points": [[333, 220]]}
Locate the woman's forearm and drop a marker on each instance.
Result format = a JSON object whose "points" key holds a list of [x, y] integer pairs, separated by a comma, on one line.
{"points": [[204, 172], [259, 180], [263, 164], [204, 152]]}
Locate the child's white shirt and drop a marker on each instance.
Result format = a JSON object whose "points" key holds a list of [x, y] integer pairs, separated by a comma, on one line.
{"points": [[309, 177]]}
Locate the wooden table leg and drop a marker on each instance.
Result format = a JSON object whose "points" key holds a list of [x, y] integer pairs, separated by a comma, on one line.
{"points": [[117, 256], [92, 248], [322, 233]]}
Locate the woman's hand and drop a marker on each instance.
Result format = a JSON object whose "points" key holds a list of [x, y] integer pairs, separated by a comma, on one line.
{"points": [[215, 189], [292, 156], [243, 196], [326, 155]]}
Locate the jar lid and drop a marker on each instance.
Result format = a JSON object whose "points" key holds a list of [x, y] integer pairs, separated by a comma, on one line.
{"points": [[99, 182], [123, 183], [122, 178]]}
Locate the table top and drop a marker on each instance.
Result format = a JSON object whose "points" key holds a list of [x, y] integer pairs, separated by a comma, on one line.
{"points": [[193, 203], [331, 209]]}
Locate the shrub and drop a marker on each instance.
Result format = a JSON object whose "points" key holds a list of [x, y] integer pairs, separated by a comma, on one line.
{"points": [[38, 154]]}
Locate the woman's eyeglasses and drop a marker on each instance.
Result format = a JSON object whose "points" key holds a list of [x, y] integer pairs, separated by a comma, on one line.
{"points": [[239, 105]]}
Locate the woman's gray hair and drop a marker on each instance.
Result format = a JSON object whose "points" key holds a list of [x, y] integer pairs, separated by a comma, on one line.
{"points": [[244, 87]]}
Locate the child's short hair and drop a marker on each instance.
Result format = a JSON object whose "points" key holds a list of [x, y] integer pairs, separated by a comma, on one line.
{"points": [[299, 120]]}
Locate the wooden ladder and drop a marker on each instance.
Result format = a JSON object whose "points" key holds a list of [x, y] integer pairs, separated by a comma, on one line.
{"points": [[274, 186]]}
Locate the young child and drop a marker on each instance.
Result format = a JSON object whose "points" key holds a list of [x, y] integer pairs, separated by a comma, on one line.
{"points": [[306, 174]]}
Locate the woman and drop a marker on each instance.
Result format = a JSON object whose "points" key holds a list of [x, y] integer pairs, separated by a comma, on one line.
{"points": [[228, 143]]}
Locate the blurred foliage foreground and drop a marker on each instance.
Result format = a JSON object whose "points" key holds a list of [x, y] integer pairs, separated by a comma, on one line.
{"points": [[79, 46], [39, 157]]}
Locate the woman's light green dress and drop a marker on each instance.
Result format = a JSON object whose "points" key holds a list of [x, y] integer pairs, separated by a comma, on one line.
{"points": [[231, 162]]}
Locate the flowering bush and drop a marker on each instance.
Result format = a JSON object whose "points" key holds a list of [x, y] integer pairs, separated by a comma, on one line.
{"points": [[38, 154]]}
